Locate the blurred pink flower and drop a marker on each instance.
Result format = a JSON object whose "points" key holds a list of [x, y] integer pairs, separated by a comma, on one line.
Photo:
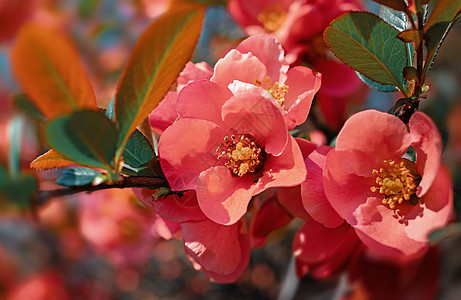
{"points": [[259, 62], [292, 22], [118, 227], [13, 15], [228, 148], [45, 286], [154, 8], [392, 203], [381, 280]]}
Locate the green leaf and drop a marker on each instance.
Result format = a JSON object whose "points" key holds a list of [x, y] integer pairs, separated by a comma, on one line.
{"points": [[23, 103], [399, 20], [369, 45], [77, 177], [144, 170], [159, 56], [86, 137], [394, 4], [138, 150], [15, 132], [377, 86], [443, 14], [18, 190]]}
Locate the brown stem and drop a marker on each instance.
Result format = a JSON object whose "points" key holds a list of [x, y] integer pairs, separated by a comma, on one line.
{"points": [[419, 57], [127, 182]]}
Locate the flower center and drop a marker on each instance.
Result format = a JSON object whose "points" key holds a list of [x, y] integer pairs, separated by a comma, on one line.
{"points": [[242, 154], [277, 90], [398, 182], [272, 17]]}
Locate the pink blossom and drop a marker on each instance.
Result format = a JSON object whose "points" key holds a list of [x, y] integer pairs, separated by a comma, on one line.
{"points": [[292, 22], [267, 215], [341, 90], [118, 227], [13, 15], [259, 63], [324, 244], [392, 203], [228, 148], [165, 113], [222, 251], [323, 251]]}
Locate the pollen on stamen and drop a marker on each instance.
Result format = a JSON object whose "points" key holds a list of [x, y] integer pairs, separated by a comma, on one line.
{"points": [[272, 17], [277, 90], [397, 182], [242, 154]]}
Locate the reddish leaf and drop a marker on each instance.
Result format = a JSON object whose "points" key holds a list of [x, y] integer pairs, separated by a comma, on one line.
{"points": [[159, 56], [49, 160], [47, 65]]}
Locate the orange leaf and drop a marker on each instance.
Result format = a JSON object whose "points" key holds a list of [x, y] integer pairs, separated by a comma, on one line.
{"points": [[159, 56], [47, 65], [49, 160]]}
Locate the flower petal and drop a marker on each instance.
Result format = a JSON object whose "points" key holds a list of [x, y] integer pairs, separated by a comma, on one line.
{"points": [[437, 208], [260, 117], [290, 199], [426, 140], [194, 72], [244, 241], [345, 191], [184, 156], [377, 135], [164, 114], [285, 170], [222, 197], [237, 66], [203, 99], [315, 243], [269, 51], [215, 247], [384, 232], [313, 195], [303, 83]]}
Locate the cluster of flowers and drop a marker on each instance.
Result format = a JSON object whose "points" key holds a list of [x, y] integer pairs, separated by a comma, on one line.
{"points": [[225, 141]]}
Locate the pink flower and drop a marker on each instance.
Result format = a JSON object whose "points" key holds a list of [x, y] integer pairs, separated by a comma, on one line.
{"points": [[118, 227], [393, 203], [322, 251], [13, 15], [228, 148], [222, 251], [259, 63], [341, 89], [292, 22], [165, 113], [325, 243], [267, 215]]}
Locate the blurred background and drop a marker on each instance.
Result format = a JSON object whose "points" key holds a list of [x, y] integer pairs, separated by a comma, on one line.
{"points": [[107, 245]]}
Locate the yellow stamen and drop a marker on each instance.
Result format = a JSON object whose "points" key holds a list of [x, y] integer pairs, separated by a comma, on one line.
{"points": [[242, 154], [277, 90], [272, 17], [397, 181]]}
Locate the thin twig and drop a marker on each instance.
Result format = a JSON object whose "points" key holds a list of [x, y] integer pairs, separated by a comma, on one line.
{"points": [[127, 182]]}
